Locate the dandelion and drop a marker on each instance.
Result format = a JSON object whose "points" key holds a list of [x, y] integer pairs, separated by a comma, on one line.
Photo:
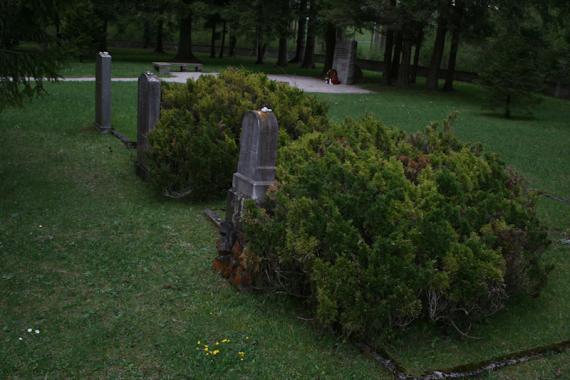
{"points": [[198, 342], [241, 355], [215, 352]]}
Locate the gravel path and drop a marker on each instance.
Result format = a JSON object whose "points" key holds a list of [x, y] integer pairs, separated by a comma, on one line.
{"points": [[306, 84]]}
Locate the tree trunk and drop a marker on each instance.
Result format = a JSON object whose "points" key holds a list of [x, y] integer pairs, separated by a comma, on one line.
{"points": [[330, 43], [233, 43], [223, 43], [103, 36], [417, 51], [282, 58], [558, 89], [404, 69], [159, 48], [309, 57], [396, 57], [301, 27], [437, 55], [259, 45], [58, 30], [388, 51], [146, 34], [508, 107], [450, 75], [184, 53], [213, 41]]}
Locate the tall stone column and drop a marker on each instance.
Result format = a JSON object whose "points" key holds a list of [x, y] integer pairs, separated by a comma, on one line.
{"points": [[103, 92], [147, 117]]}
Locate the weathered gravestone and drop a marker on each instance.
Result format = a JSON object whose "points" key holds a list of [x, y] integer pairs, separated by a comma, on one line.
{"points": [[255, 173], [147, 117], [345, 60], [103, 92]]}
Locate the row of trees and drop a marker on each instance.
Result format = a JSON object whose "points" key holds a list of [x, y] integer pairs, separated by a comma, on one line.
{"points": [[408, 26], [533, 35]]}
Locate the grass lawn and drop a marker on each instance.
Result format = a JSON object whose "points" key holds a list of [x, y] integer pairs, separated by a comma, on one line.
{"points": [[133, 62], [118, 279]]}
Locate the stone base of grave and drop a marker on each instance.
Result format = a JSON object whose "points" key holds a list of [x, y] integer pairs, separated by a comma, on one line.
{"points": [[141, 171], [103, 129], [234, 262], [238, 266], [245, 185]]}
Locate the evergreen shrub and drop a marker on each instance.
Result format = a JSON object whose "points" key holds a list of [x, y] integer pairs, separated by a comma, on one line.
{"points": [[195, 146], [377, 228]]}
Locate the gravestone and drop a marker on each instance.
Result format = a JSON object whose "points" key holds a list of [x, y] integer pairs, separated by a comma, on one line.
{"points": [[103, 92], [344, 61], [257, 155], [255, 174], [147, 117]]}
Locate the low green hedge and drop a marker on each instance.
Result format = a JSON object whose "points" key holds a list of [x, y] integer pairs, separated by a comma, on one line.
{"points": [[194, 148], [377, 228]]}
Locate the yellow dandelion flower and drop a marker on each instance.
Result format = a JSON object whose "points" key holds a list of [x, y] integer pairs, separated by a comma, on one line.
{"points": [[215, 352], [241, 354]]}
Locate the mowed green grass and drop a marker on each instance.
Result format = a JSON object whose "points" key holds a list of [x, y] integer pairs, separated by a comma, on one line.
{"points": [[118, 279], [539, 148]]}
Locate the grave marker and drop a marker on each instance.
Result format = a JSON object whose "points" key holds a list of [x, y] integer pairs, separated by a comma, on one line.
{"points": [[103, 92], [345, 60], [147, 117], [255, 173]]}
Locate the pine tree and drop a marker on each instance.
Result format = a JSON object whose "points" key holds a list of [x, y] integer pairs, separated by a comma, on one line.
{"points": [[512, 72], [29, 55]]}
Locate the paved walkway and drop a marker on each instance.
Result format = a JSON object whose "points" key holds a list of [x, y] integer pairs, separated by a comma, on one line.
{"points": [[306, 84]]}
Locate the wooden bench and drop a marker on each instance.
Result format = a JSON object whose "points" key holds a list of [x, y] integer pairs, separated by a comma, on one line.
{"points": [[162, 67], [166, 67], [187, 66]]}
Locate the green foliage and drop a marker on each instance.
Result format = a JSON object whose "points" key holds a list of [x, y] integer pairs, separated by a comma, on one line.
{"points": [[513, 71], [194, 146], [82, 29], [28, 54], [378, 228]]}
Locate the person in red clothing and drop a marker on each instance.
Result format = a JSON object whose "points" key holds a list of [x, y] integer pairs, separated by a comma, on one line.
{"points": [[332, 77]]}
